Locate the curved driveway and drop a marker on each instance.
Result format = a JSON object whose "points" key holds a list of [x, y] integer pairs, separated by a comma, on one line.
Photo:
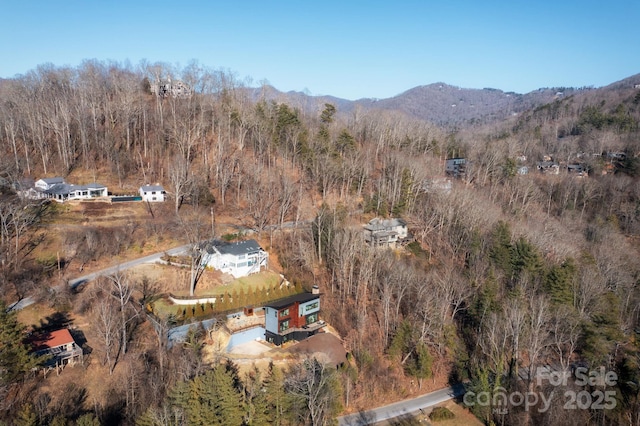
{"points": [[401, 408], [76, 282]]}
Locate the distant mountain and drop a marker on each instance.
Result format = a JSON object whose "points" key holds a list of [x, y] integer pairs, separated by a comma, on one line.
{"points": [[448, 105], [438, 103]]}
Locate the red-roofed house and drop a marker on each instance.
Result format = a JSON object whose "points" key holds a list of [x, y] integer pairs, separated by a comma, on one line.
{"points": [[59, 345]]}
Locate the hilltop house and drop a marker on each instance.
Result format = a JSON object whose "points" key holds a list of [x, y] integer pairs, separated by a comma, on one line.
{"points": [[64, 191], [238, 259], [293, 318], [385, 232], [166, 88], [456, 167], [152, 193], [59, 345]]}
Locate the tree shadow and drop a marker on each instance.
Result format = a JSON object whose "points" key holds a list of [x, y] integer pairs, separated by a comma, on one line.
{"points": [[53, 322], [364, 418], [71, 401], [404, 420], [81, 340]]}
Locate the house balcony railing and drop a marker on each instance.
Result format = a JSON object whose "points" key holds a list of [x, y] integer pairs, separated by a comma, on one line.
{"points": [[314, 326], [59, 355]]}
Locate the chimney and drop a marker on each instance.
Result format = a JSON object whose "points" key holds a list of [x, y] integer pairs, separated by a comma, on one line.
{"points": [[315, 290]]}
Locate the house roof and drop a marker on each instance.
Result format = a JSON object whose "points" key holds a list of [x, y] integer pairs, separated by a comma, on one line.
{"points": [[53, 180], [59, 188], [384, 224], [288, 301], [236, 249], [91, 186], [52, 339], [152, 188], [66, 188]]}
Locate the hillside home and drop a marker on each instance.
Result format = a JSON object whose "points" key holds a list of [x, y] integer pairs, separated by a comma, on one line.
{"points": [[48, 183], [548, 167], [385, 232], [152, 193], [578, 170], [238, 259], [64, 192], [166, 88], [293, 318], [59, 345], [456, 167]]}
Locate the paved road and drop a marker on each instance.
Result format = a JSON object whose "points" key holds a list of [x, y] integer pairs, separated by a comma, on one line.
{"points": [[401, 408], [76, 282]]}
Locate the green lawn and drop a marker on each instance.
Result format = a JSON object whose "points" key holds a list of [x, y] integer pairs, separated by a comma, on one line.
{"points": [[253, 290]]}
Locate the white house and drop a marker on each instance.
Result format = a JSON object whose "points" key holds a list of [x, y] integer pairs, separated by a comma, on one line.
{"points": [[64, 191], [238, 259], [152, 193], [385, 232], [47, 183]]}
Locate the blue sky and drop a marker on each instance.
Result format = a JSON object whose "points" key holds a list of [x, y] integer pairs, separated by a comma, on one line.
{"points": [[349, 49]]}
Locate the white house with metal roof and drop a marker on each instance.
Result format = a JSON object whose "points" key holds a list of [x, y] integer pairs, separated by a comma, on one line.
{"points": [[48, 183], [64, 191], [239, 259], [153, 193]]}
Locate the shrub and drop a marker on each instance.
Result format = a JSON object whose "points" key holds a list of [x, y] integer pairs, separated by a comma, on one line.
{"points": [[441, 413]]}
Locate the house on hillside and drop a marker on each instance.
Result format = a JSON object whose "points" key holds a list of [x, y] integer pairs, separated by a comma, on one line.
{"points": [[166, 88], [48, 183], [152, 193], [293, 318], [59, 345], [577, 169], [238, 259], [456, 167], [385, 232], [63, 192], [548, 167]]}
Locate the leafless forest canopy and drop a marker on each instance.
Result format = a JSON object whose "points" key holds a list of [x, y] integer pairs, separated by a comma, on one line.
{"points": [[506, 272]]}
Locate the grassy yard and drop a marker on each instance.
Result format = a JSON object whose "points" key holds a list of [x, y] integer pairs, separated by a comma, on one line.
{"points": [[267, 279], [253, 290]]}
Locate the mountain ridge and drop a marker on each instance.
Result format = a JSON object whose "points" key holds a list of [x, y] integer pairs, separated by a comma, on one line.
{"points": [[444, 104]]}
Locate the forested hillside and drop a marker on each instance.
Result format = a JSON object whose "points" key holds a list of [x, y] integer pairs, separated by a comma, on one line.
{"points": [[507, 272]]}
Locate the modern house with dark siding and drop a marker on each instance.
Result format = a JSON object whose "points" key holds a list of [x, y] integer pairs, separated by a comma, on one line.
{"points": [[293, 318]]}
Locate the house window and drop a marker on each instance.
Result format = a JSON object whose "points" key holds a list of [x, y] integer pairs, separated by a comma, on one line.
{"points": [[284, 313], [284, 325], [311, 306], [312, 318]]}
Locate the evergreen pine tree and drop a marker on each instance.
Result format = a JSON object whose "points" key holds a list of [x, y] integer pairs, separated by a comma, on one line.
{"points": [[15, 356]]}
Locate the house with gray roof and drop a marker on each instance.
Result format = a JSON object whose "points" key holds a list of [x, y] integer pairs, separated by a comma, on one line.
{"points": [[153, 193], [385, 232], [48, 183], [239, 259], [64, 191]]}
